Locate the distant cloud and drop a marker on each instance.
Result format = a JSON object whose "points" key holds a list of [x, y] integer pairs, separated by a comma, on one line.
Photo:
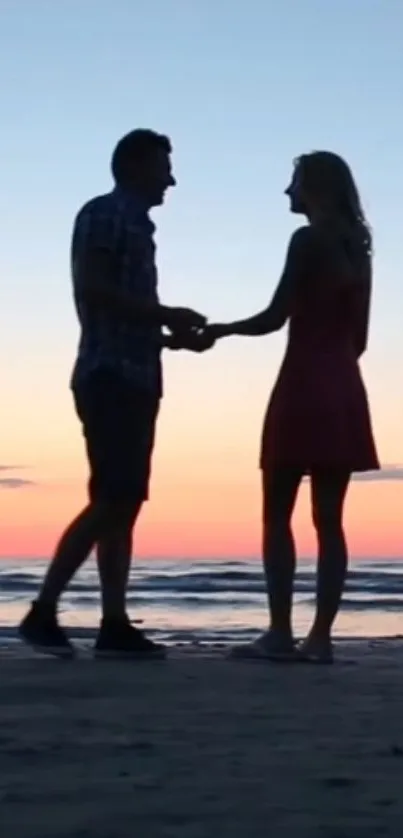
{"points": [[385, 474], [15, 483]]}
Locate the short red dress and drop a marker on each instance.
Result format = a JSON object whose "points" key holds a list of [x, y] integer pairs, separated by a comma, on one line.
{"points": [[318, 415]]}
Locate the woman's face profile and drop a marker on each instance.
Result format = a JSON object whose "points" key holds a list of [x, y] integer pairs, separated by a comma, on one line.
{"points": [[295, 193]]}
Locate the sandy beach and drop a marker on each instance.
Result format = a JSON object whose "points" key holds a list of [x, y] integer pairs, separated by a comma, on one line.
{"points": [[200, 746]]}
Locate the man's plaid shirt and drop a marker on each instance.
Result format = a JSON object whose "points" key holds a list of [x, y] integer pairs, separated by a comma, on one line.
{"points": [[119, 224]]}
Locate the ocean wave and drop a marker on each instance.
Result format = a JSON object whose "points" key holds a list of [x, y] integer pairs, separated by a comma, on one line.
{"points": [[386, 603], [212, 582]]}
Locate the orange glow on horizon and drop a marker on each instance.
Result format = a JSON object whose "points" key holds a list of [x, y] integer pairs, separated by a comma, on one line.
{"points": [[205, 491], [194, 519]]}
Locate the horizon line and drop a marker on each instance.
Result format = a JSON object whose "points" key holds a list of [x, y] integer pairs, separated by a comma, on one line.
{"points": [[207, 558]]}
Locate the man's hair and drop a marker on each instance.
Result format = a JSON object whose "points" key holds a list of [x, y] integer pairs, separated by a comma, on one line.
{"points": [[136, 146]]}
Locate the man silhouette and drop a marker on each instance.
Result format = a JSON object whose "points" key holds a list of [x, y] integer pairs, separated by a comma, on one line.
{"points": [[117, 387]]}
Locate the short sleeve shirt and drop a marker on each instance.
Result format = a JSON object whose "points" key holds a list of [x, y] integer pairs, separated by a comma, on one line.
{"points": [[119, 224]]}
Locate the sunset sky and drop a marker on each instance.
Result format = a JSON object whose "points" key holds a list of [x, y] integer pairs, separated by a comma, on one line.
{"points": [[241, 88]]}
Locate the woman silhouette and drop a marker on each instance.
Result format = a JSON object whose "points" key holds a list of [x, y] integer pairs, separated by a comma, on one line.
{"points": [[317, 422]]}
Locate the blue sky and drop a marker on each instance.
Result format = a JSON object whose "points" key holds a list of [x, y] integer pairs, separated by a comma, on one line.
{"points": [[241, 88]]}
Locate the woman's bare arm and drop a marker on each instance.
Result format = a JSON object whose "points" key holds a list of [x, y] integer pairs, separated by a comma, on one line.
{"points": [[361, 317], [273, 318]]}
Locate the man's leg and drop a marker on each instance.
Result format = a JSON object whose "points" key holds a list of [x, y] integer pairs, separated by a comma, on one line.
{"points": [[74, 547], [114, 553], [128, 477], [117, 637], [99, 411], [40, 627], [129, 472]]}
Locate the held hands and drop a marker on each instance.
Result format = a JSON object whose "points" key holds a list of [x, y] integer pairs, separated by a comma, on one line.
{"points": [[217, 330], [194, 340], [197, 340], [183, 319], [189, 330]]}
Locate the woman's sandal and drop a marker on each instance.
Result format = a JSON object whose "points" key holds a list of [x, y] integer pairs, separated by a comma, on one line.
{"points": [[316, 658], [260, 650]]}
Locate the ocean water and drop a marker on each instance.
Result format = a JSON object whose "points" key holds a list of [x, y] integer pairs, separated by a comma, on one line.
{"points": [[210, 602]]}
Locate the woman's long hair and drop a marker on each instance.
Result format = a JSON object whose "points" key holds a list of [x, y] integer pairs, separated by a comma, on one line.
{"points": [[326, 174]]}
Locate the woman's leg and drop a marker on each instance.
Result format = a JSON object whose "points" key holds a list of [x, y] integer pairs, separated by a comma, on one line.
{"points": [[280, 488], [329, 489]]}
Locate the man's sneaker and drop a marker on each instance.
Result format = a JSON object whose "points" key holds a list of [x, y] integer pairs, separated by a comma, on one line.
{"points": [[41, 630], [120, 639]]}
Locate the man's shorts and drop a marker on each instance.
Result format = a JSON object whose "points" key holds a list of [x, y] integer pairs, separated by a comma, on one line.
{"points": [[119, 421]]}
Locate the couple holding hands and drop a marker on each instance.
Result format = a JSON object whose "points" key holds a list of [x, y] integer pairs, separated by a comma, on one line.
{"points": [[317, 423]]}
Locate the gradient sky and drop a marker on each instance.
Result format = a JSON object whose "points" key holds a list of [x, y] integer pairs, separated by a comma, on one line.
{"points": [[241, 88]]}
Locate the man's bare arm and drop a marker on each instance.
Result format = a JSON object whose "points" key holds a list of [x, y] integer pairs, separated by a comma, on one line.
{"points": [[94, 281]]}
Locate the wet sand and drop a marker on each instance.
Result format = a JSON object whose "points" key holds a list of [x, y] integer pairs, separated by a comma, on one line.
{"points": [[200, 747]]}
